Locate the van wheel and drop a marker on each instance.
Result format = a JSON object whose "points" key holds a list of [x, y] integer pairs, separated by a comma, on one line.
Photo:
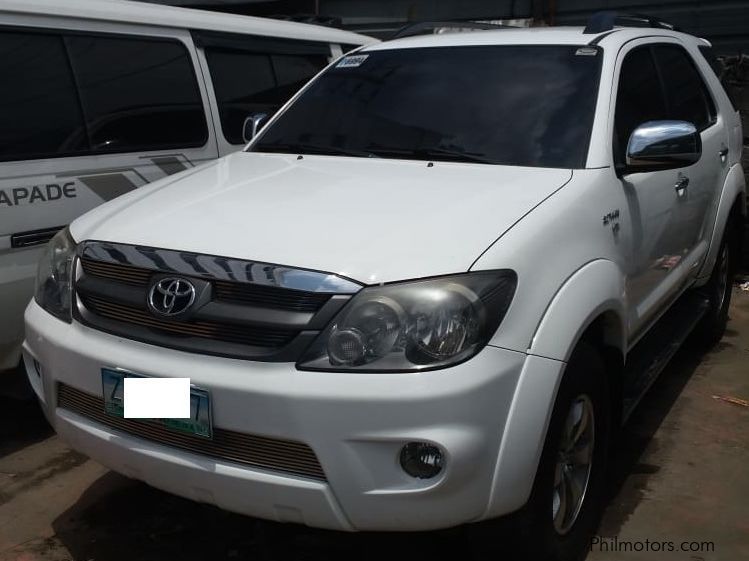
{"points": [[568, 493], [718, 291]]}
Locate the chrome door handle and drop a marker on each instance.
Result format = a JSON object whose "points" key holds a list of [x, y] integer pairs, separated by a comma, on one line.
{"points": [[723, 154], [681, 184]]}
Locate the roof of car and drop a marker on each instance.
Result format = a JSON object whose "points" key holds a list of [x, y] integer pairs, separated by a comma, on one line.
{"points": [[168, 16], [526, 36]]}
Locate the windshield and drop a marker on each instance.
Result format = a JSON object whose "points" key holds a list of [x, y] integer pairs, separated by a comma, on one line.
{"points": [[511, 105]]}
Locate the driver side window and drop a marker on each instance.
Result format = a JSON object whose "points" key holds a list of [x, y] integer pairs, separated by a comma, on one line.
{"points": [[638, 99]]}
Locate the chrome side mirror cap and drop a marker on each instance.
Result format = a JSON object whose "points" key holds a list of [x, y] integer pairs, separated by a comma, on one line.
{"points": [[252, 125], [659, 145]]}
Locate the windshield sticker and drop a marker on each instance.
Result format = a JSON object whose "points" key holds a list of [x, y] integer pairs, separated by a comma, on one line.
{"points": [[353, 61]]}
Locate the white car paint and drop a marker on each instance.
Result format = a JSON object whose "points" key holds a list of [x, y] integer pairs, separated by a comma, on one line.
{"points": [[257, 193], [83, 182], [379, 221]]}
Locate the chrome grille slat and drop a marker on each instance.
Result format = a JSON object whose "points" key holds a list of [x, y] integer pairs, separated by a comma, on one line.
{"points": [[285, 456], [248, 335], [120, 273]]}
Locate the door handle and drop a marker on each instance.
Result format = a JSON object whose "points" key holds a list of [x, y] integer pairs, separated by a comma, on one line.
{"points": [[723, 154], [681, 184]]}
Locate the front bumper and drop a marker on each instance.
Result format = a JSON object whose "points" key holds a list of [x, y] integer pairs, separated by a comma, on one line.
{"points": [[355, 423]]}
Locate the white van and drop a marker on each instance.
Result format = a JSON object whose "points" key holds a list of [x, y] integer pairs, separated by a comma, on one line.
{"points": [[102, 96]]}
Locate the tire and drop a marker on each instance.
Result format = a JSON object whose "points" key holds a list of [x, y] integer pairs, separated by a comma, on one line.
{"points": [[534, 533], [718, 290]]}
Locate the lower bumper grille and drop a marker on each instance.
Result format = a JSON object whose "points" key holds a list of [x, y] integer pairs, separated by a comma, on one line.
{"points": [[285, 456]]}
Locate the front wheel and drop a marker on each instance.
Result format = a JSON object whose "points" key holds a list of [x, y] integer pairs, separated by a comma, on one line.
{"points": [[568, 493], [718, 291]]}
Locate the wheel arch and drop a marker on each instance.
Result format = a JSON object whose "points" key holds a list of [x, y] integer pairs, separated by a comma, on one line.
{"points": [[732, 203], [594, 297], [591, 300]]}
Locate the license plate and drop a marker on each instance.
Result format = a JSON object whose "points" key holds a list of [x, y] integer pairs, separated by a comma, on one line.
{"points": [[199, 423]]}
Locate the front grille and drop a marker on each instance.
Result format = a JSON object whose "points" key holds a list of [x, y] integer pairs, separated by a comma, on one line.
{"points": [[263, 296], [242, 293], [230, 333], [285, 456], [127, 274], [238, 309]]}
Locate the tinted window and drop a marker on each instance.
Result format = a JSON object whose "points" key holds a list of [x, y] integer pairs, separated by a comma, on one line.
{"points": [[514, 105], [639, 98], [687, 97], [292, 72], [137, 94], [39, 112], [720, 72], [247, 82]]}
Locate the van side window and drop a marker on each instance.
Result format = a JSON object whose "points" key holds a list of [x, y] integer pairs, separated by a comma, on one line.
{"points": [[687, 96], [292, 72], [39, 111], [137, 94], [243, 83], [249, 82], [639, 98]]}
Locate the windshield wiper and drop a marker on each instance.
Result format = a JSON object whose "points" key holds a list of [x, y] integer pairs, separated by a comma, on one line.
{"points": [[435, 153], [301, 148]]}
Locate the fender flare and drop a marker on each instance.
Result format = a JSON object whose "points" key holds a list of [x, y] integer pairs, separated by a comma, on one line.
{"points": [[733, 188], [594, 289]]}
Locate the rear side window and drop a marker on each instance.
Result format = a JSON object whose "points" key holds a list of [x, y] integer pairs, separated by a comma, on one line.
{"points": [[720, 72], [137, 94], [639, 98], [250, 82], [39, 111], [687, 96]]}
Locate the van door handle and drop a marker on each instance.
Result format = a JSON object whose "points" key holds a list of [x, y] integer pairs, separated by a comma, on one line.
{"points": [[723, 154], [681, 184]]}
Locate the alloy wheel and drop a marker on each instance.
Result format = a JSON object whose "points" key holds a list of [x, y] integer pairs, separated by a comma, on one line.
{"points": [[574, 464]]}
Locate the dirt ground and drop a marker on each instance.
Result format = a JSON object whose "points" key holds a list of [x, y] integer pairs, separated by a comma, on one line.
{"points": [[680, 490]]}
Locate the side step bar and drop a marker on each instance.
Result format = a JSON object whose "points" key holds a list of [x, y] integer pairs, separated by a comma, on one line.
{"points": [[650, 356]]}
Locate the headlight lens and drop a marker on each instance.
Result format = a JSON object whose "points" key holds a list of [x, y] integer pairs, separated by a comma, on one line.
{"points": [[54, 277], [416, 325]]}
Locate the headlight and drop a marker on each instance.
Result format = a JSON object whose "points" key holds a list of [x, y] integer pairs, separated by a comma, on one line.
{"points": [[54, 278], [416, 325]]}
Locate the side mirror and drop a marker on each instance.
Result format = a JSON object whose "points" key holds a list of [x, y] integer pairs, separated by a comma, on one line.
{"points": [[659, 145], [252, 125]]}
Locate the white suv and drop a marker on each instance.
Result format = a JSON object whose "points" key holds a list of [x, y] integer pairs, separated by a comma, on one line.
{"points": [[426, 293]]}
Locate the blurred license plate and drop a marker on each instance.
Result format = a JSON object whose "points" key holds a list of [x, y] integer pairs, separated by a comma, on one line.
{"points": [[199, 423]]}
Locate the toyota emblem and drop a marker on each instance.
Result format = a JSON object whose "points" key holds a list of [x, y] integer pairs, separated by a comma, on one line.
{"points": [[171, 296]]}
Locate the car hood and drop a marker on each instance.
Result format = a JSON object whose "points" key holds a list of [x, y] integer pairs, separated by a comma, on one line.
{"points": [[371, 220]]}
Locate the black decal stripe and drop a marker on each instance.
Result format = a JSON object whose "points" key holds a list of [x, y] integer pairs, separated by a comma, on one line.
{"points": [[169, 164], [110, 185]]}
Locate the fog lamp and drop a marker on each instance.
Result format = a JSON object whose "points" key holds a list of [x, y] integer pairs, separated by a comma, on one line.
{"points": [[421, 460]]}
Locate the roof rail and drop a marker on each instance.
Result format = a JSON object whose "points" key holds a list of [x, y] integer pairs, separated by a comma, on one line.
{"points": [[605, 21], [433, 27], [330, 21]]}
